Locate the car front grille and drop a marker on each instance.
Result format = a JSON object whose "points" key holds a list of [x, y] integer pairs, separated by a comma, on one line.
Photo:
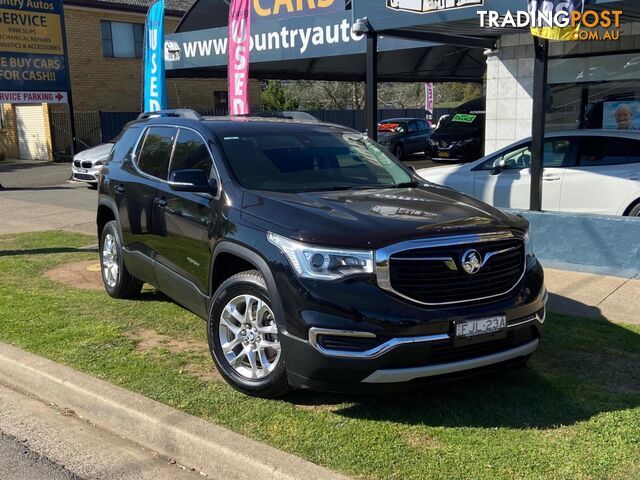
{"points": [[87, 164], [76, 163], [436, 276], [84, 176]]}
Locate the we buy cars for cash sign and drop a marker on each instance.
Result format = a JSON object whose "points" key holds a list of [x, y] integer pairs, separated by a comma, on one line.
{"points": [[239, 45]]}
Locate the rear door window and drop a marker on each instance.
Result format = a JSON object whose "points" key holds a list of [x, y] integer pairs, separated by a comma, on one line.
{"points": [[156, 151], [603, 151]]}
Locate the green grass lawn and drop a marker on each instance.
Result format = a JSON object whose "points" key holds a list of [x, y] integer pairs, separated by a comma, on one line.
{"points": [[574, 414]]}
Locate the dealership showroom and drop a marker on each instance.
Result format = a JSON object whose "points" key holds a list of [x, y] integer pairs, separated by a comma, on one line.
{"points": [[320, 239]]}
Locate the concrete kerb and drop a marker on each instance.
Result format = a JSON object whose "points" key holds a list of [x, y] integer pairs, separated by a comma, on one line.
{"points": [[214, 450]]}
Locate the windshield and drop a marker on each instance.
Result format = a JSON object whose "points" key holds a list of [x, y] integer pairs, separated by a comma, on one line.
{"points": [[395, 127], [464, 119], [310, 161]]}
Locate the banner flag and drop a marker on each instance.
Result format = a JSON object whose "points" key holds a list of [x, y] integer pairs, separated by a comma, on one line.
{"points": [[545, 10], [429, 99], [238, 70], [154, 91]]}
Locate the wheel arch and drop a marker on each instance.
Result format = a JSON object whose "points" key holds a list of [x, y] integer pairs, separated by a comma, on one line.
{"points": [[248, 258], [631, 204], [107, 211]]}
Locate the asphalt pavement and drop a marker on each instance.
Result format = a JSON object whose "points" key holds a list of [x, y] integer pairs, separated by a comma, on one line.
{"points": [[25, 173], [18, 462]]}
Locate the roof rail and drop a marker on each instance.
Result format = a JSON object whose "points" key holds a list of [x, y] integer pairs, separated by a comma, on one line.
{"points": [[176, 113]]}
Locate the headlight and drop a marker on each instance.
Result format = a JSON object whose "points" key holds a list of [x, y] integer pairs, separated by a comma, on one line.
{"points": [[462, 143], [433, 142], [99, 163], [323, 263], [528, 245]]}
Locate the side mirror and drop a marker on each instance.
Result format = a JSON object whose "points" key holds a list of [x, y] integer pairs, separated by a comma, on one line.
{"points": [[498, 166], [194, 181]]}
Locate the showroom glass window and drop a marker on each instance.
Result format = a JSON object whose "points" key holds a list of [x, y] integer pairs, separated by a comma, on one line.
{"points": [[594, 92], [122, 40]]}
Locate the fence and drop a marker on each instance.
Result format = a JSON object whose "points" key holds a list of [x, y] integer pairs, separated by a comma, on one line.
{"points": [[94, 128], [87, 133]]}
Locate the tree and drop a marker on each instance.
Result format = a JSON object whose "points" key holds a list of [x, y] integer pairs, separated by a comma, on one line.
{"points": [[274, 97]]}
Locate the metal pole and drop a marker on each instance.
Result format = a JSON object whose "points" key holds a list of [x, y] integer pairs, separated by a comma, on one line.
{"points": [[540, 71], [372, 85], [74, 144]]}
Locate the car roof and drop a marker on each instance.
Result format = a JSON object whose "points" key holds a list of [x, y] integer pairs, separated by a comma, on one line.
{"points": [[634, 134], [270, 125], [399, 119], [246, 124]]}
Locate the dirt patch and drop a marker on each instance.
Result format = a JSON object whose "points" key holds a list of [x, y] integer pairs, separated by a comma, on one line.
{"points": [[148, 340], [83, 275], [421, 440]]}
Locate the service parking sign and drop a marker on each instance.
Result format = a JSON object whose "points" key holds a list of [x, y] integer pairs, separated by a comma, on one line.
{"points": [[32, 46]]}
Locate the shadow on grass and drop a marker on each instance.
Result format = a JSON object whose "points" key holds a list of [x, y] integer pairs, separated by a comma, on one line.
{"points": [[47, 251], [584, 367]]}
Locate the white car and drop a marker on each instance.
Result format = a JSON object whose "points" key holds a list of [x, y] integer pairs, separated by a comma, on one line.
{"points": [[585, 171], [87, 164]]}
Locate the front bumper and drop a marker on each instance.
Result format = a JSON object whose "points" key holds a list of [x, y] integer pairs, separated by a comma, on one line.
{"points": [[454, 153], [374, 340], [88, 175]]}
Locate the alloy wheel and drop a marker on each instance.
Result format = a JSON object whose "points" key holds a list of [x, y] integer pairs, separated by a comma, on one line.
{"points": [[249, 337], [110, 260]]}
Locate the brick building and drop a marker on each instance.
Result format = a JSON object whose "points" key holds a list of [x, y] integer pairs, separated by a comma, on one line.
{"points": [[104, 44]]}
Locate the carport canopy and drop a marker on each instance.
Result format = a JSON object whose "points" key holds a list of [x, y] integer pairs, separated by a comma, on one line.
{"points": [[438, 58]]}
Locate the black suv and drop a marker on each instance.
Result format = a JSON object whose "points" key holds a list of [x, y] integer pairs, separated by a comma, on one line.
{"points": [[317, 259]]}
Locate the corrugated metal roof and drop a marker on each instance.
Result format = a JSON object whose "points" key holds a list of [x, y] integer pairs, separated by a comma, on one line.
{"points": [[172, 6]]}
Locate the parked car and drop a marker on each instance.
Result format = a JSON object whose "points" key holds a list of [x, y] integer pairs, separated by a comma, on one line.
{"points": [[460, 136], [87, 164], [316, 258], [585, 171], [404, 136]]}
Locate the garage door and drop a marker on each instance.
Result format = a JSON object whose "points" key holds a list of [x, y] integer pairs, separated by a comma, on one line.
{"points": [[31, 132]]}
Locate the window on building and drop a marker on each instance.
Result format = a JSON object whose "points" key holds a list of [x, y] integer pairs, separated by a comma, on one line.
{"points": [[122, 40], [221, 102]]}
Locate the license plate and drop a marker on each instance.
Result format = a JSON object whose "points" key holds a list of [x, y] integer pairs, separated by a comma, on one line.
{"points": [[444, 154], [481, 326], [82, 170]]}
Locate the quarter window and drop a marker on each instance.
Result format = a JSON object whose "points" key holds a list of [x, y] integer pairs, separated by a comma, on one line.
{"points": [[122, 40], [156, 151], [598, 152], [190, 153]]}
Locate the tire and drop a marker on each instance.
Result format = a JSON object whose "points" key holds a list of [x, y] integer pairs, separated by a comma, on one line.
{"points": [[635, 211], [118, 282], [398, 151], [249, 359]]}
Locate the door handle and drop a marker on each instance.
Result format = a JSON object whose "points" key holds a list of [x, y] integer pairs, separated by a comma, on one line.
{"points": [[120, 189], [551, 178], [160, 202]]}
